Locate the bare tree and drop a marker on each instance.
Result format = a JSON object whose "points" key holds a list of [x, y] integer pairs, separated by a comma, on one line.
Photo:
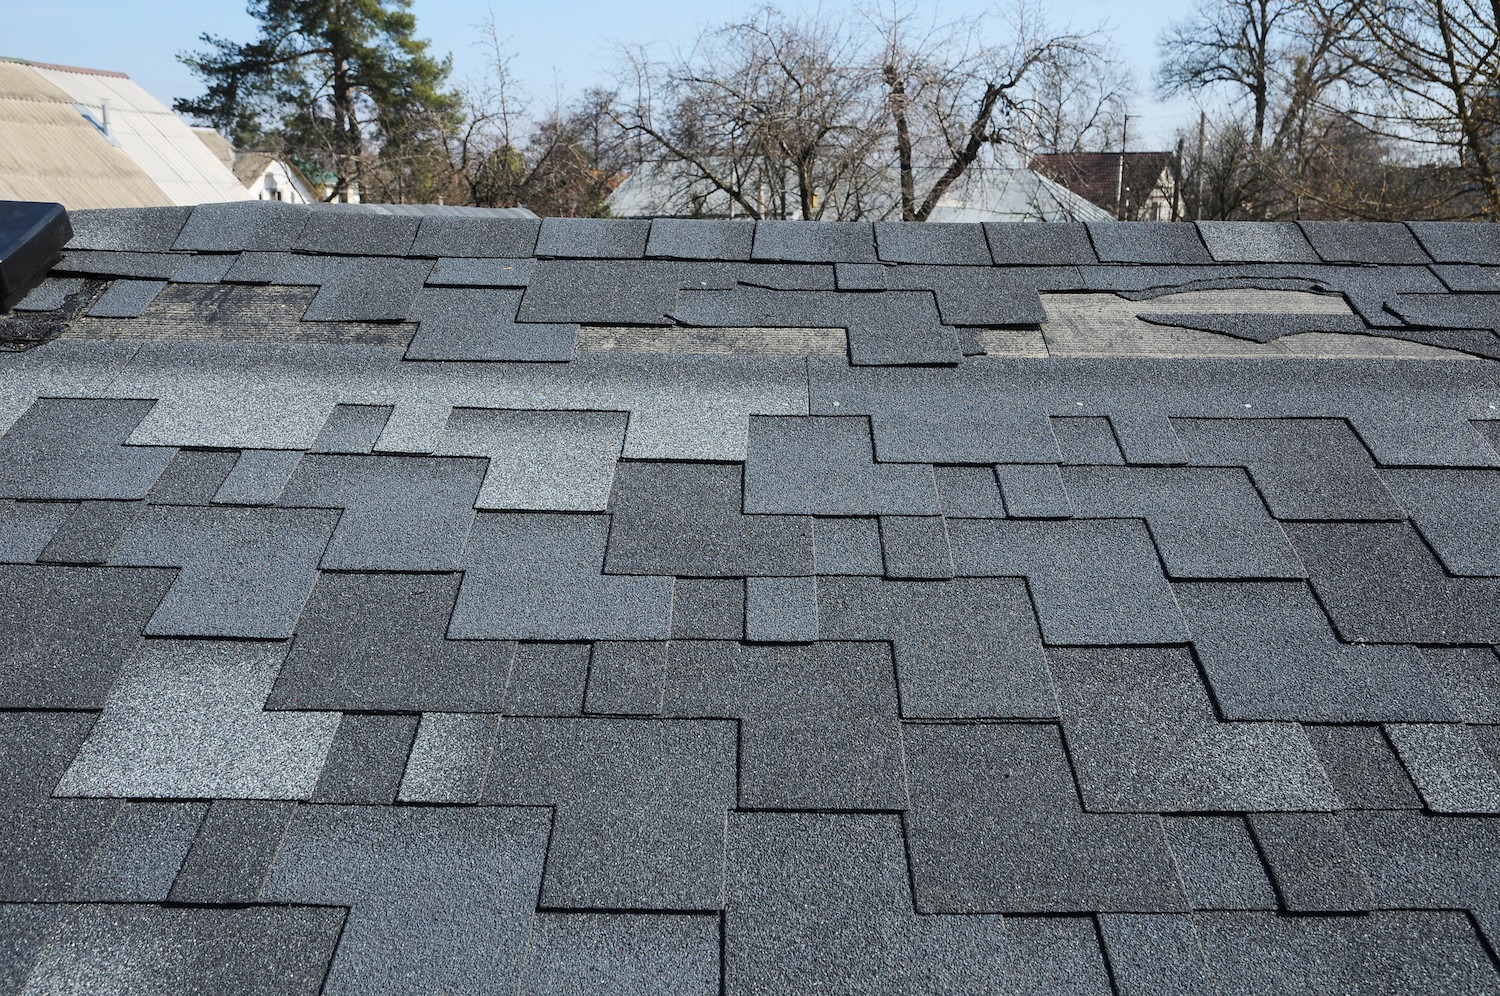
{"points": [[877, 117], [1433, 69], [772, 112], [953, 97]]}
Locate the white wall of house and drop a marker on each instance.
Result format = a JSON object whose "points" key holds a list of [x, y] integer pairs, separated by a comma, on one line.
{"points": [[278, 183]]}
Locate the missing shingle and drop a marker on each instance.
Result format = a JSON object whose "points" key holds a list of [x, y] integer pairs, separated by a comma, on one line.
{"points": [[235, 313], [715, 342], [1096, 324], [65, 300]]}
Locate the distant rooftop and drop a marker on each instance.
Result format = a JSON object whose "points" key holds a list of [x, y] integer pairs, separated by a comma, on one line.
{"points": [[92, 138]]}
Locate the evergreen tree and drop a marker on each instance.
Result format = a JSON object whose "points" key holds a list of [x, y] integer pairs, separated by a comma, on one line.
{"points": [[331, 84]]}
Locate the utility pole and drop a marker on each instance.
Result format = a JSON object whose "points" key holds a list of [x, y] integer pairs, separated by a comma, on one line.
{"points": [[1198, 166], [1120, 173], [1177, 180]]}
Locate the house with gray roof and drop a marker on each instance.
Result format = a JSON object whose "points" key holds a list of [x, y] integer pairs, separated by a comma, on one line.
{"points": [[459, 603]]}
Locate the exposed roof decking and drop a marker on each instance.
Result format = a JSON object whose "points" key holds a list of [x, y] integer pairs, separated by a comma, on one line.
{"points": [[1134, 656]]}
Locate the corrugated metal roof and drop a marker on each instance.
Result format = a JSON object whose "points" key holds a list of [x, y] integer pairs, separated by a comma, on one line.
{"points": [[50, 152], [162, 145]]}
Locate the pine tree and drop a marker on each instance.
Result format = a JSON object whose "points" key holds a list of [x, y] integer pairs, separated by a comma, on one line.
{"points": [[331, 84]]}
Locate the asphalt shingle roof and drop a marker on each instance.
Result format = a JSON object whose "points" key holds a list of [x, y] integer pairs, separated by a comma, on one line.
{"points": [[400, 604]]}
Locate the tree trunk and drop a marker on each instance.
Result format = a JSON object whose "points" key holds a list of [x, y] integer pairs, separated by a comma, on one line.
{"points": [[897, 102]]}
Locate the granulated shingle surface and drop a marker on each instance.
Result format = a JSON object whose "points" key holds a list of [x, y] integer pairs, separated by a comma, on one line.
{"points": [[422, 642]]}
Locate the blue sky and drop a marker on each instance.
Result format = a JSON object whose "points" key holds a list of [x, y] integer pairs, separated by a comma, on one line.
{"points": [[560, 45]]}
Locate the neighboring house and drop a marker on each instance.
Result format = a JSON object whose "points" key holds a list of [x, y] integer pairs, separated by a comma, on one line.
{"points": [[90, 138], [1012, 195], [1130, 186], [657, 190], [271, 179]]}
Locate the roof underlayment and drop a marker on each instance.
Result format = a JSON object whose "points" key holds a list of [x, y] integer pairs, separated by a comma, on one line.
{"points": [[470, 604]]}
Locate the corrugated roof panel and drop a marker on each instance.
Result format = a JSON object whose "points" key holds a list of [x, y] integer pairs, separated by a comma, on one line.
{"points": [[51, 153], [163, 145]]}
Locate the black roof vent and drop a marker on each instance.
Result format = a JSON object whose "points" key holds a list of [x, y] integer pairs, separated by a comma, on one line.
{"points": [[32, 236]]}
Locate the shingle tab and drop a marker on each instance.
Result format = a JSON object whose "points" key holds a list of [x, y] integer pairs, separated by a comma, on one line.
{"points": [[73, 449], [1093, 582], [685, 519], [352, 289], [366, 760], [1380, 583], [512, 273], [1309, 857], [127, 298], [357, 233], [641, 807], [1147, 242], [1363, 767], [161, 950], [27, 527], [1033, 491], [90, 534], [533, 576], [379, 861], [1179, 757], [244, 572], [376, 642], [1447, 242], [825, 466], [592, 238], [239, 227], [216, 741], [46, 844], [466, 324], [476, 237], [675, 238], [1387, 242], [1220, 866], [139, 860], [66, 631], [781, 610], [1238, 954], [1450, 768], [949, 244], [915, 547], [1256, 242], [400, 513], [965, 648], [815, 242], [1303, 468], [708, 609], [1023, 244], [1269, 653], [1021, 843], [232, 852], [152, 229], [626, 678], [1457, 511], [818, 725], [810, 895]]}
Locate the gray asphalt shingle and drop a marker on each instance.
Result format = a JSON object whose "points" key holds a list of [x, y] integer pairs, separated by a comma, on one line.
{"points": [[348, 648], [1022, 843], [375, 642], [535, 576]]}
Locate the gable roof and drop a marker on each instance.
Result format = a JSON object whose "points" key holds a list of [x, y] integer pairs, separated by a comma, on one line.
{"points": [[402, 601], [1097, 175], [52, 153], [59, 160], [662, 190]]}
